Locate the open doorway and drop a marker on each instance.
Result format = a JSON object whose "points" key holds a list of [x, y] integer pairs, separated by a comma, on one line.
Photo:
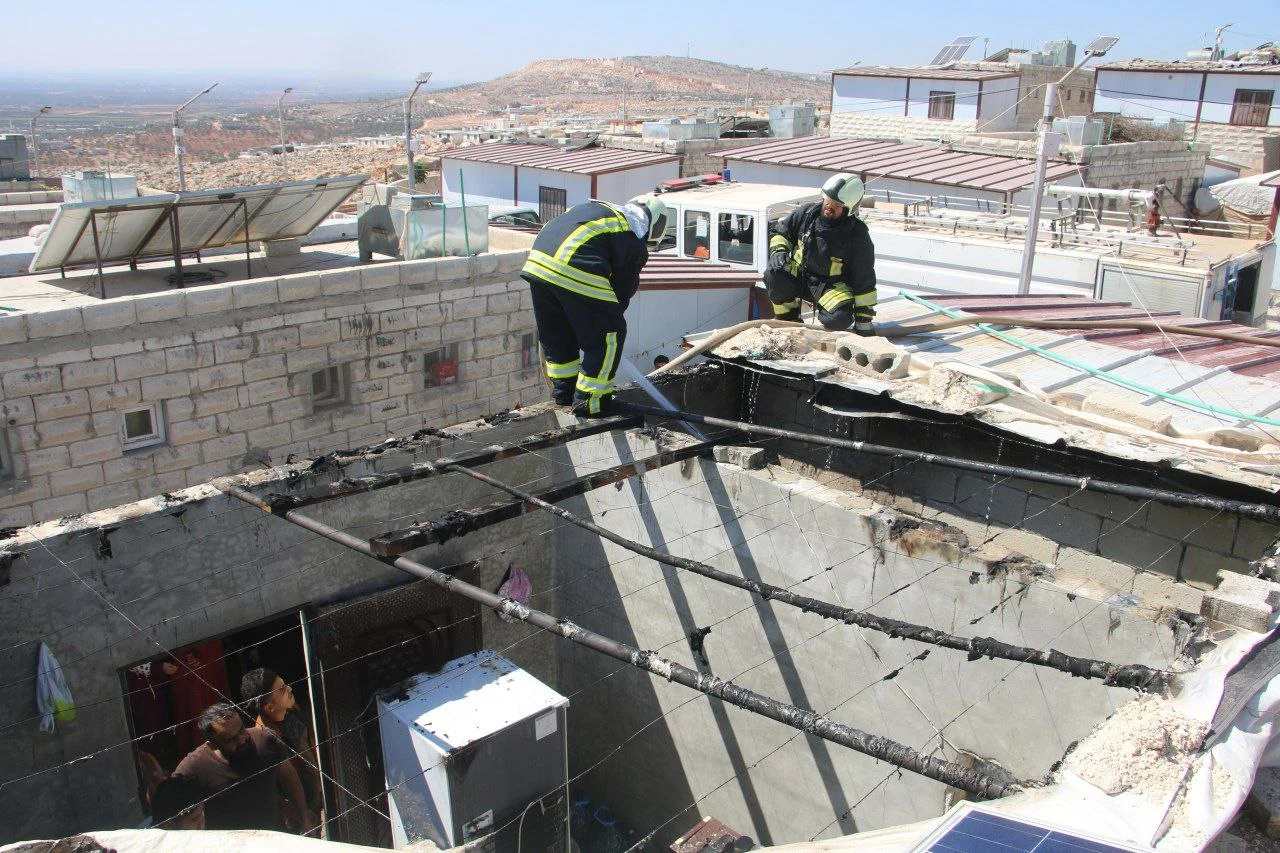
{"points": [[1245, 308], [165, 695]]}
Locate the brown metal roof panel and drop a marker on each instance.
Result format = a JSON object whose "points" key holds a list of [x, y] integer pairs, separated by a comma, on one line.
{"points": [[1054, 172]]}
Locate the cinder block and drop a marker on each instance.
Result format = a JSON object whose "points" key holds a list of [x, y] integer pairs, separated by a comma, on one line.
{"points": [[170, 458], [386, 344], [748, 458], [452, 269], [54, 323], [295, 288], [219, 376], [251, 294], [61, 507], [48, 460], [872, 356], [180, 358], [117, 396], [398, 321], [139, 365], [346, 351], [23, 383], [1242, 610], [266, 367], [224, 447], [310, 427], [165, 386], [463, 309], [1109, 404], [431, 316], [233, 349], [1253, 538], [491, 324], [112, 314], [157, 307], [76, 480], [17, 411], [457, 331], [117, 494], [284, 411], [243, 420], [277, 340], [376, 276], [418, 272], [313, 358], [334, 282], [1200, 567], [318, 334], [268, 390], [1140, 548], [13, 329], [210, 299], [61, 405], [198, 430]]}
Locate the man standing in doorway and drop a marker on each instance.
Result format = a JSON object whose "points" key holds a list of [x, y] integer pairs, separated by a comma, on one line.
{"points": [[823, 253], [583, 269], [240, 771]]}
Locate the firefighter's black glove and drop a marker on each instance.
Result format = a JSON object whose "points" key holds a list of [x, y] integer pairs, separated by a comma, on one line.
{"points": [[778, 261]]}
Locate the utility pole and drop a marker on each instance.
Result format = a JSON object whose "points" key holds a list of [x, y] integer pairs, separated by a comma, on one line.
{"points": [[34, 171], [408, 125], [284, 165], [178, 148], [1098, 47], [1218, 52]]}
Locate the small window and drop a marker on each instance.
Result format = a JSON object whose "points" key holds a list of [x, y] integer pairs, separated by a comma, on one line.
{"points": [[441, 366], [1252, 107], [142, 427], [6, 461], [328, 387], [942, 105], [552, 202], [737, 238], [529, 350], [697, 233], [1066, 94]]}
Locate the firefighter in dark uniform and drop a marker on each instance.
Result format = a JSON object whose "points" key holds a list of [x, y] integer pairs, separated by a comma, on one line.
{"points": [[821, 252], [583, 269]]}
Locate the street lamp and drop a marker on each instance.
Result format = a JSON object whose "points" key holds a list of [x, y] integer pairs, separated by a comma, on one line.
{"points": [[35, 144], [178, 148], [284, 166], [1098, 47], [408, 124], [746, 101]]}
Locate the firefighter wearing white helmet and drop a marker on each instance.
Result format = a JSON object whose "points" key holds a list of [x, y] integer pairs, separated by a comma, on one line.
{"points": [[821, 252], [583, 269]]}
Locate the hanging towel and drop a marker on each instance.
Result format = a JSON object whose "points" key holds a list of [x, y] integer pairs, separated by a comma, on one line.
{"points": [[53, 697]]}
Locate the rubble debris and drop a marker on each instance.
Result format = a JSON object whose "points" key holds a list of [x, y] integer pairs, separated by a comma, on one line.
{"points": [[1144, 748]]}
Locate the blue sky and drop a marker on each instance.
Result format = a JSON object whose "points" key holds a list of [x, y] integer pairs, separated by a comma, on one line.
{"points": [[392, 39]]}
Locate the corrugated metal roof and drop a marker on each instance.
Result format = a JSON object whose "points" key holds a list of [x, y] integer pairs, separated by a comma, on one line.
{"points": [[671, 272], [879, 159], [924, 72], [583, 161], [1188, 65]]}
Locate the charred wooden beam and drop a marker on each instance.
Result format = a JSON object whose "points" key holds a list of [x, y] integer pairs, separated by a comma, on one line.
{"points": [[464, 521], [1134, 676], [421, 470], [882, 748]]}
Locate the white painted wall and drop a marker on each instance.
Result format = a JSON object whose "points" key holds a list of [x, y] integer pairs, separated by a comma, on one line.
{"points": [[1220, 94], [998, 100], [577, 187], [877, 95], [966, 92], [1148, 93], [485, 183], [621, 187], [658, 320]]}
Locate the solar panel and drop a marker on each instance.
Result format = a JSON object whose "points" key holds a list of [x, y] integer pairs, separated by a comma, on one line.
{"points": [[136, 228], [971, 829], [955, 51], [1100, 45]]}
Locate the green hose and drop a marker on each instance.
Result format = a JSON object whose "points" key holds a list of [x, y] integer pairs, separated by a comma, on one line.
{"points": [[1093, 371]]}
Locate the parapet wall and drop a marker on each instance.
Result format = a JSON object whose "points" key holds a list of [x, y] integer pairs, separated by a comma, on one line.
{"points": [[230, 369]]}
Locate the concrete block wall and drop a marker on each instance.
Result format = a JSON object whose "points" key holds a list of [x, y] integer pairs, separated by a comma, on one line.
{"points": [[1255, 147], [698, 156], [17, 221], [1186, 544], [876, 126], [30, 197], [1142, 165], [202, 565], [230, 368]]}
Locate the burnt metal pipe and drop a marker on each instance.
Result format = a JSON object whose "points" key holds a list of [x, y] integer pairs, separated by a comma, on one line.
{"points": [[1265, 512], [881, 748], [1134, 676]]}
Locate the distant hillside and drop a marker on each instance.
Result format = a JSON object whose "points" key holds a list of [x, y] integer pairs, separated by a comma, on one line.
{"points": [[650, 85]]}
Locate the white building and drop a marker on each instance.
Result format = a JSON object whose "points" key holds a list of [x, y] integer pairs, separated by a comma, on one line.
{"points": [[551, 178], [892, 170], [1233, 106]]}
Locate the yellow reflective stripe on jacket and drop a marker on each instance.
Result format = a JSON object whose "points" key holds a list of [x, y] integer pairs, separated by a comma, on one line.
{"points": [[864, 300], [779, 241], [784, 307], [837, 267], [603, 383], [542, 266], [584, 232], [566, 370], [834, 298]]}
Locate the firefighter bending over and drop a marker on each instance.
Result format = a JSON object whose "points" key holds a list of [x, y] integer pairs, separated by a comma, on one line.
{"points": [[583, 269], [822, 252]]}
